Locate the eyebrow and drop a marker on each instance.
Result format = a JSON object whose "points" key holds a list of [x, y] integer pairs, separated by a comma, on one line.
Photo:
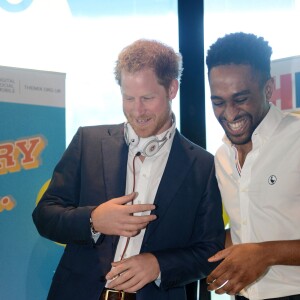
{"points": [[241, 93], [235, 95], [213, 97]]}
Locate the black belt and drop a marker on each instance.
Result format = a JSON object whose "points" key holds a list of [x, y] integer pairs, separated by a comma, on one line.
{"points": [[108, 294]]}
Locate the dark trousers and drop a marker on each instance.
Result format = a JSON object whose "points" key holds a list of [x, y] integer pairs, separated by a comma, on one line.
{"points": [[293, 297]]}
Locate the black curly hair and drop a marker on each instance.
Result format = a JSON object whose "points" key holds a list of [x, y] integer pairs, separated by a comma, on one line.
{"points": [[241, 49]]}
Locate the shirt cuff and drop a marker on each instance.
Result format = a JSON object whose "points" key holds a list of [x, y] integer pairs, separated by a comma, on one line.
{"points": [[158, 280]]}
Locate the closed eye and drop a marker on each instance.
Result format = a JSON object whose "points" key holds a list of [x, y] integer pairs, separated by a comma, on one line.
{"points": [[128, 98], [148, 97], [240, 100], [218, 103]]}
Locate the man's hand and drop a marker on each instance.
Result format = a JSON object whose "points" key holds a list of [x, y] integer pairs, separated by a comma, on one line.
{"points": [[242, 265], [115, 218], [132, 274]]}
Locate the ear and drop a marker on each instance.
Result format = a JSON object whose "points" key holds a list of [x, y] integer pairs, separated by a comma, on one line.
{"points": [[173, 89], [269, 88]]}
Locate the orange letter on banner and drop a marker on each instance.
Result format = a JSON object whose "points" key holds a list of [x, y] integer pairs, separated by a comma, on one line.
{"points": [[8, 158], [30, 148]]}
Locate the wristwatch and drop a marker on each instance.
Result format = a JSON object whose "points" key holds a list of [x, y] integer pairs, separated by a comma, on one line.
{"points": [[93, 231]]}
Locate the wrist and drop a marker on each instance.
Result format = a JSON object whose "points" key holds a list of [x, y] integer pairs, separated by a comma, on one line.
{"points": [[95, 234], [268, 253], [93, 230]]}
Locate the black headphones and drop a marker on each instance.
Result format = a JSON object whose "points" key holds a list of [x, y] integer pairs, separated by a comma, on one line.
{"points": [[150, 146]]}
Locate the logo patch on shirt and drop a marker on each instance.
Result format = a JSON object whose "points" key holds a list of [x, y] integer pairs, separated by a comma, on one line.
{"points": [[272, 179]]}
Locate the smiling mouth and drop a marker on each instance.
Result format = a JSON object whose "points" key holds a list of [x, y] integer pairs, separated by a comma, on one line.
{"points": [[143, 121], [237, 127]]}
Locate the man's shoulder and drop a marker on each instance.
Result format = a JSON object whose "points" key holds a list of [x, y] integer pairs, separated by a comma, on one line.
{"points": [[103, 130], [222, 152], [291, 119], [189, 145]]}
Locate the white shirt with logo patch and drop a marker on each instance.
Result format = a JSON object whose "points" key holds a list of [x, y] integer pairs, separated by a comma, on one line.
{"points": [[263, 201]]}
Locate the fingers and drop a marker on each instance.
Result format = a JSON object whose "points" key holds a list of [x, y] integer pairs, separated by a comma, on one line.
{"points": [[134, 224], [218, 277], [125, 199], [131, 230], [115, 272], [140, 208], [218, 256], [129, 284], [242, 265], [225, 286], [126, 282], [119, 277], [134, 208], [133, 273], [114, 217], [218, 285], [222, 280], [138, 223], [136, 220]]}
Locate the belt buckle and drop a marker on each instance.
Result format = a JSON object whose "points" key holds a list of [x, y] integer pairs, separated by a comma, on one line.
{"points": [[114, 291]]}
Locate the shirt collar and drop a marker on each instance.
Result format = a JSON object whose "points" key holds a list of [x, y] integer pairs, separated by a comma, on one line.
{"points": [[164, 141], [266, 128]]}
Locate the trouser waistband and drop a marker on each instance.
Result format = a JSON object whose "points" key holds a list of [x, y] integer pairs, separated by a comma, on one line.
{"points": [[108, 294]]}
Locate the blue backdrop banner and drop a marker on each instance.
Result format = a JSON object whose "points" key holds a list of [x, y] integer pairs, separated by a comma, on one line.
{"points": [[32, 140]]}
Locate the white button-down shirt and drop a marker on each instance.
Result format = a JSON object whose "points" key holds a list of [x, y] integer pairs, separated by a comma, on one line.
{"points": [[263, 200], [147, 178]]}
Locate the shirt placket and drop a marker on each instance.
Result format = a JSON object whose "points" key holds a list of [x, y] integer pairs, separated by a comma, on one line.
{"points": [[142, 185], [245, 180]]}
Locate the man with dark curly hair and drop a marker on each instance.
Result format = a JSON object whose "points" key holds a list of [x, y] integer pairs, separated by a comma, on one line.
{"points": [[258, 172], [137, 204]]}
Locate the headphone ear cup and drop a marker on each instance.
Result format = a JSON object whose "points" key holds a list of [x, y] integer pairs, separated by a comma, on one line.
{"points": [[151, 148]]}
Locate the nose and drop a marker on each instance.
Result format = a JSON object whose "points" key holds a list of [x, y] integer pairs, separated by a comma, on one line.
{"points": [[139, 106], [230, 112]]}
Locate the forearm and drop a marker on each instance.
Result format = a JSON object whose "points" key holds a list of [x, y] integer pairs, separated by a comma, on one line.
{"points": [[174, 272], [282, 252], [252, 260], [63, 224], [185, 265]]}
